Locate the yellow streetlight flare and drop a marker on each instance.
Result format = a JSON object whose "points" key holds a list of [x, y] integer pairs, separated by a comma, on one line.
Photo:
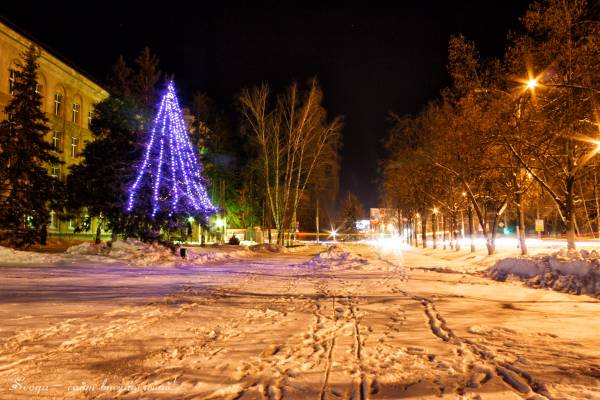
{"points": [[435, 210], [333, 234], [532, 84]]}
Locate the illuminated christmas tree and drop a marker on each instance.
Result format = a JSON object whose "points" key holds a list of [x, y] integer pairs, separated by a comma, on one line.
{"points": [[169, 180]]}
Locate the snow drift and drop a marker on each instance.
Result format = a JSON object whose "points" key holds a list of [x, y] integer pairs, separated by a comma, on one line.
{"points": [[134, 252], [577, 273], [337, 258], [129, 251], [268, 248], [11, 256]]}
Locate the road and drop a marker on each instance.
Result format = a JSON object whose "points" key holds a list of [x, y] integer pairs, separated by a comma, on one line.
{"points": [[365, 326]]}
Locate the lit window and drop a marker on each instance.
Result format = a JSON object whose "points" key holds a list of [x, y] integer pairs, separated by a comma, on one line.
{"points": [[57, 141], [12, 76], [71, 224], [75, 113], [90, 115], [74, 145], [58, 100], [55, 171], [39, 89]]}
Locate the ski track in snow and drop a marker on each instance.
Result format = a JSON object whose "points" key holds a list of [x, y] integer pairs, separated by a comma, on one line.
{"points": [[277, 329]]}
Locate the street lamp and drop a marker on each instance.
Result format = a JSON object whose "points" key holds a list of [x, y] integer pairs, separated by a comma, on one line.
{"points": [[222, 223], [532, 84], [434, 227], [462, 218], [333, 234]]}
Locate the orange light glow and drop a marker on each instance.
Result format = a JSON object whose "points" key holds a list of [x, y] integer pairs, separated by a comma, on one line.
{"points": [[532, 84]]}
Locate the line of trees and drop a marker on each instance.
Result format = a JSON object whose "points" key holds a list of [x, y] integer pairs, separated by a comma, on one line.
{"points": [[507, 130]]}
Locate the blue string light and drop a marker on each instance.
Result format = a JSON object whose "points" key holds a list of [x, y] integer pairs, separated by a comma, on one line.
{"points": [[183, 190]]}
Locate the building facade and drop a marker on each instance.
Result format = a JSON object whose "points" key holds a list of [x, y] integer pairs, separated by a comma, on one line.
{"points": [[68, 98]]}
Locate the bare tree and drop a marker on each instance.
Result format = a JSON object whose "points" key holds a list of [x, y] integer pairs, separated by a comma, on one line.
{"points": [[292, 134]]}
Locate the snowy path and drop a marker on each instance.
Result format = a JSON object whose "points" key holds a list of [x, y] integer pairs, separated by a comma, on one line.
{"points": [[273, 328]]}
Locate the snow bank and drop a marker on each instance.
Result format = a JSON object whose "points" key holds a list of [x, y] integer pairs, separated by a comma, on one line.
{"points": [[134, 252], [139, 253], [200, 256], [576, 273], [130, 251], [336, 257], [11, 256], [89, 248], [268, 248]]}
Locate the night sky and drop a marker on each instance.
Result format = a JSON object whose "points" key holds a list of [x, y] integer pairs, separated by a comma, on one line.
{"points": [[369, 60]]}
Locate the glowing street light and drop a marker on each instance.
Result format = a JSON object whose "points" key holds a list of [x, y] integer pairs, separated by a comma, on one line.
{"points": [[532, 84], [333, 234], [221, 224]]}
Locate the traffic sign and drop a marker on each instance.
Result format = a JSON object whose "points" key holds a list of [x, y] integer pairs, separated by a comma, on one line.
{"points": [[539, 225]]}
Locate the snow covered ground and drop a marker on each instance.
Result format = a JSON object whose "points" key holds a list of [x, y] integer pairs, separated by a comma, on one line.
{"points": [[358, 322]]}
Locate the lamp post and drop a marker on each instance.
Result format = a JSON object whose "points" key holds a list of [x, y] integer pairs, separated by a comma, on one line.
{"points": [[434, 227], [462, 219], [221, 223], [521, 230]]}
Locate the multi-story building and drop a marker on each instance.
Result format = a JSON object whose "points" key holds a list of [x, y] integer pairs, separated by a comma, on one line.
{"points": [[68, 98]]}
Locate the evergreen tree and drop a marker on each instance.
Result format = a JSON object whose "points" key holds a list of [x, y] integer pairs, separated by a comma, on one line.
{"points": [[352, 210], [146, 78], [99, 183], [169, 185], [26, 189], [120, 81]]}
